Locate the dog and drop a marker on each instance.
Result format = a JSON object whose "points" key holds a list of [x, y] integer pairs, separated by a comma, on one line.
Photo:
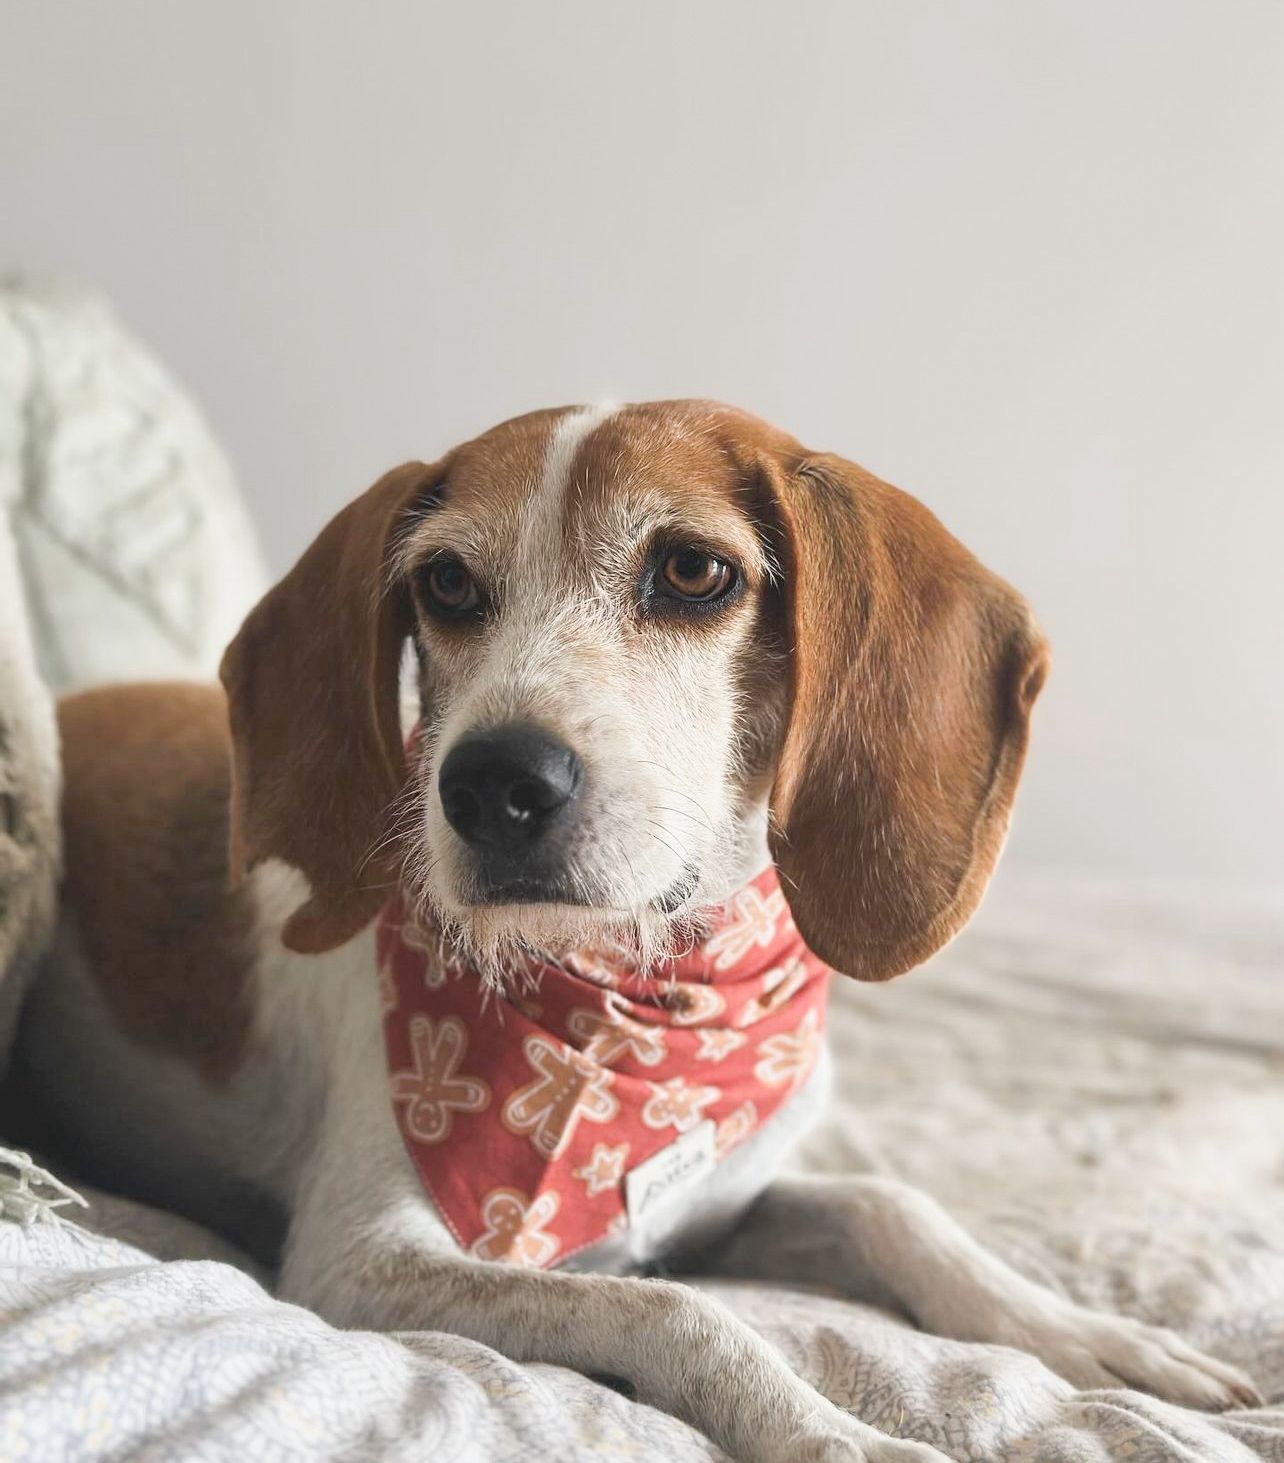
{"points": [[665, 659]]}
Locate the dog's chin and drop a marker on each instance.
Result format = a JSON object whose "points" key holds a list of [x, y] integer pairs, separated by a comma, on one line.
{"points": [[552, 926], [499, 934]]}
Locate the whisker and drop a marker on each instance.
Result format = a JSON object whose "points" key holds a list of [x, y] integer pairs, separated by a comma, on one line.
{"points": [[664, 843], [681, 813]]}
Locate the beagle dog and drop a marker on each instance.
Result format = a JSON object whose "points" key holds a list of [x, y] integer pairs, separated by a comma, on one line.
{"points": [[701, 716]]}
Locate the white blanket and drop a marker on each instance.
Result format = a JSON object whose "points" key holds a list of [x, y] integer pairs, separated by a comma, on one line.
{"points": [[1093, 1081]]}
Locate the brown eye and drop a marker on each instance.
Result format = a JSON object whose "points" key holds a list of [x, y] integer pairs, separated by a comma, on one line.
{"points": [[450, 587], [691, 574]]}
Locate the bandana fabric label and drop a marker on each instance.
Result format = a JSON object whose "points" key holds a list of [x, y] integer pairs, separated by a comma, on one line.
{"points": [[542, 1118], [672, 1171]]}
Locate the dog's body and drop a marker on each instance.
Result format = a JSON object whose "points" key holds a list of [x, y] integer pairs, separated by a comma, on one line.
{"points": [[732, 651]]}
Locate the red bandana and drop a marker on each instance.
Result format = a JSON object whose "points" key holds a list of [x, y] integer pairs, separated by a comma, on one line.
{"points": [[531, 1116]]}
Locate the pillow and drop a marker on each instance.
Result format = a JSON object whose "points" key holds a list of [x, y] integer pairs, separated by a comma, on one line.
{"points": [[137, 555]]}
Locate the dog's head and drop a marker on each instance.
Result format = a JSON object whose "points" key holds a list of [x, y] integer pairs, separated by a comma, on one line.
{"points": [[650, 640]]}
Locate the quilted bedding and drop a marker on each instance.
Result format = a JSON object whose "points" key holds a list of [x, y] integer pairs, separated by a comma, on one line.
{"points": [[1092, 1079]]}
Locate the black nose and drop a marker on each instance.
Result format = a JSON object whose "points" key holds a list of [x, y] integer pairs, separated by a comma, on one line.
{"points": [[503, 790]]}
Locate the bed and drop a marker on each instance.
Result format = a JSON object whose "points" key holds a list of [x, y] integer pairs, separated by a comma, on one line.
{"points": [[1092, 1078]]}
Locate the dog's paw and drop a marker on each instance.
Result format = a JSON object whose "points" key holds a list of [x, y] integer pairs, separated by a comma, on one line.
{"points": [[1093, 1349]]}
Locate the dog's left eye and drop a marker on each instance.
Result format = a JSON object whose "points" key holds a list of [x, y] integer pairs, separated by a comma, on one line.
{"points": [[695, 576], [449, 588]]}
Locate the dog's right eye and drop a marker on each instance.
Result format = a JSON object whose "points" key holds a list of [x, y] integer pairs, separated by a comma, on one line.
{"points": [[449, 590]]}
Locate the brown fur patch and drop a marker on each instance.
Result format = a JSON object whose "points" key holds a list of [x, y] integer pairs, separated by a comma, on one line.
{"points": [[914, 670], [311, 680], [494, 474], [145, 817], [697, 458]]}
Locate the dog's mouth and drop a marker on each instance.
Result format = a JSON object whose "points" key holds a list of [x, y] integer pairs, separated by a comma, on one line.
{"points": [[530, 891], [544, 891], [679, 892]]}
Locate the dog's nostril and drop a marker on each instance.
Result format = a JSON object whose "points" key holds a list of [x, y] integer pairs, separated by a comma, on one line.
{"points": [[459, 804], [528, 796]]}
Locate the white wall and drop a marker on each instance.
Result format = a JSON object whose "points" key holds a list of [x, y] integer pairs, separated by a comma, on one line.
{"points": [[1022, 258]]}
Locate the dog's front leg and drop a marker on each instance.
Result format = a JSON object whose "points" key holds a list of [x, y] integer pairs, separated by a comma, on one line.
{"points": [[367, 1249], [883, 1241], [681, 1351]]}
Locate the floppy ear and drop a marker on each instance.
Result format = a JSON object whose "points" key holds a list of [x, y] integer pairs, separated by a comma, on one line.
{"points": [[913, 673], [311, 678]]}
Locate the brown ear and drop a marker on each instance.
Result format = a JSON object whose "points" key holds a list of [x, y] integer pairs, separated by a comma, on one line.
{"points": [[913, 673], [311, 678]]}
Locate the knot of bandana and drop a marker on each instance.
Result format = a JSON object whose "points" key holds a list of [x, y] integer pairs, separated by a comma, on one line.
{"points": [[524, 1111]]}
